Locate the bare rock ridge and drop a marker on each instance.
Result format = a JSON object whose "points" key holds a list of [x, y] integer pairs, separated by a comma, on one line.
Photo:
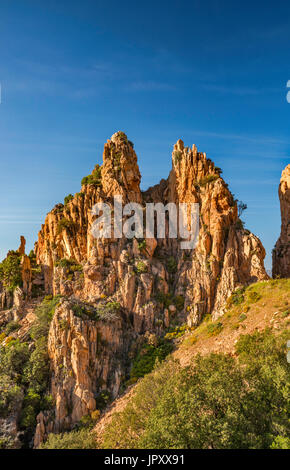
{"points": [[281, 252], [119, 293]]}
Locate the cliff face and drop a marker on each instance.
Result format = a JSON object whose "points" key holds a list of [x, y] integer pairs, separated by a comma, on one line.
{"points": [[118, 292], [281, 252]]}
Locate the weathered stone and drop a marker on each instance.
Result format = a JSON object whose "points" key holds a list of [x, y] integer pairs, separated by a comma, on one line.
{"points": [[281, 252]]}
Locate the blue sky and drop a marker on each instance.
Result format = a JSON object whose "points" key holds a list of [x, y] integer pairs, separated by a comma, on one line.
{"points": [[213, 73]]}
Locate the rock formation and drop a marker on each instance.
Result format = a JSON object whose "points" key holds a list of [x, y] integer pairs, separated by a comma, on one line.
{"points": [[281, 252], [118, 292]]}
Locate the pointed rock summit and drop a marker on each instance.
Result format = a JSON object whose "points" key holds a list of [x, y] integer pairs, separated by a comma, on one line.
{"points": [[281, 252], [115, 293]]}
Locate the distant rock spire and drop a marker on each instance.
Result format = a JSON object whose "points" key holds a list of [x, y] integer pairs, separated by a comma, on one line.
{"points": [[281, 252]]}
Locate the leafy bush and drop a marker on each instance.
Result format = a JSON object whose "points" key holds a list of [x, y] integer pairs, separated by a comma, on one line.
{"points": [[70, 265], [67, 199], [13, 358], [95, 178], [65, 224], [142, 245], [12, 326], [171, 265], [36, 372], [141, 267], [281, 442], [81, 439], [10, 395], [236, 298], [6, 442], [10, 271], [102, 399], [104, 311], [44, 314], [147, 357], [208, 179], [217, 402], [214, 329], [242, 317], [253, 297], [177, 332]]}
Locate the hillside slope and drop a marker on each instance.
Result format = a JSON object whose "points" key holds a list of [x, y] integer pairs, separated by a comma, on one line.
{"points": [[259, 308]]}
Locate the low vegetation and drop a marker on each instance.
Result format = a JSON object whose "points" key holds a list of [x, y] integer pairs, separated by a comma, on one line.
{"points": [[10, 271], [65, 224], [147, 358], [95, 179], [69, 265], [108, 311], [216, 402], [24, 370]]}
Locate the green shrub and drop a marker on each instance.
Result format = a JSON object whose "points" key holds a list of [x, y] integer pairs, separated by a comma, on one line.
{"points": [[281, 442], [104, 311], [10, 271], [177, 332], [285, 313], [147, 357], [65, 224], [102, 399], [12, 326], [13, 358], [242, 317], [141, 267], [81, 439], [95, 178], [208, 179], [214, 329], [142, 245], [6, 442], [217, 402], [236, 298], [67, 199], [253, 297], [70, 265], [171, 265], [10, 395], [44, 314], [36, 371]]}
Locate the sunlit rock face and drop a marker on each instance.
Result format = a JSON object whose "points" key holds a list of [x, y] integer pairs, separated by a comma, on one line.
{"points": [[140, 285], [281, 252]]}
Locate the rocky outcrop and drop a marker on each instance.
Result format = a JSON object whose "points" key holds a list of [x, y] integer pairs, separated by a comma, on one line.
{"points": [[281, 252], [87, 357], [226, 254], [118, 292]]}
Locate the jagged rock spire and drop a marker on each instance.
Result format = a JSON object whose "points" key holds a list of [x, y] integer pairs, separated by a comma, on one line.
{"points": [[281, 252]]}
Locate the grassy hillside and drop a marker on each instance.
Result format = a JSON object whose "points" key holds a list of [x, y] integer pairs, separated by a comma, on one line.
{"points": [[227, 385]]}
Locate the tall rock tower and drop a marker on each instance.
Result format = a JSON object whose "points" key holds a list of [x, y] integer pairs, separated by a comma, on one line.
{"points": [[281, 252]]}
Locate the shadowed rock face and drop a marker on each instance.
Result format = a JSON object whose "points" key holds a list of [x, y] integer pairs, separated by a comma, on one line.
{"points": [[90, 355], [281, 252]]}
